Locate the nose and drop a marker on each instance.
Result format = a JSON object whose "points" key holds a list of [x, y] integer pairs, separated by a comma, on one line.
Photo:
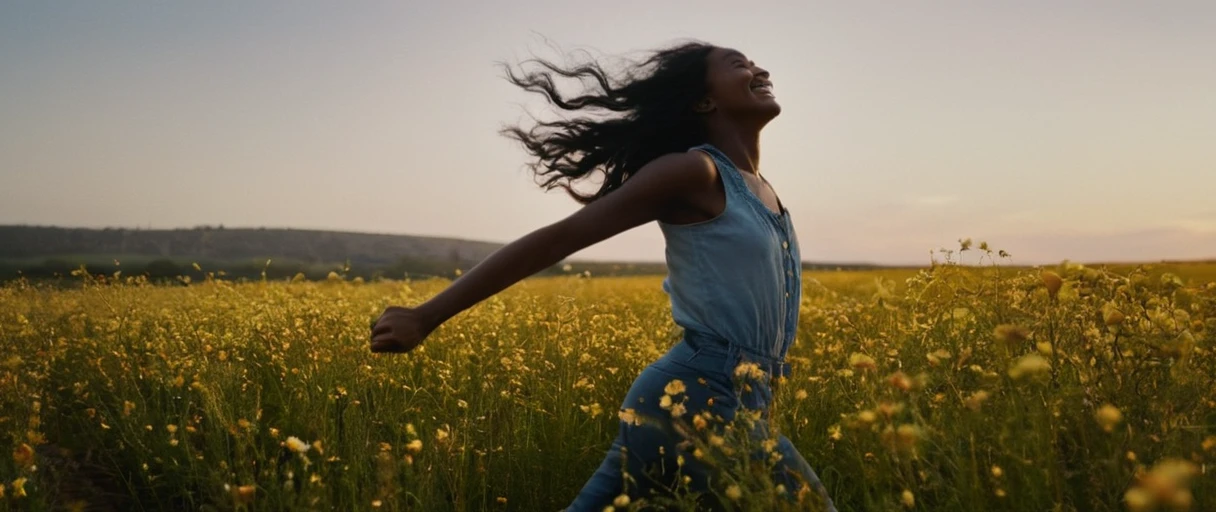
{"points": [[760, 72]]}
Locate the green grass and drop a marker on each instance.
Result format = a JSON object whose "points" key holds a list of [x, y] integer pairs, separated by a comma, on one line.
{"points": [[147, 397]]}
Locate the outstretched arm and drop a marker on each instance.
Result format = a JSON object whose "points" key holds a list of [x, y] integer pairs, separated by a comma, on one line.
{"points": [[657, 187]]}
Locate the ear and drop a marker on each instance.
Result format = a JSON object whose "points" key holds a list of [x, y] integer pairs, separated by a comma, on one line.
{"points": [[705, 106]]}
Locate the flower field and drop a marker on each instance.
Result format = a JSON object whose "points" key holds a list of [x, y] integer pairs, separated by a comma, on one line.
{"points": [[947, 389]]}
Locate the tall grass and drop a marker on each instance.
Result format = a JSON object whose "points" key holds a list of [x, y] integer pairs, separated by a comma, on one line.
{"points": [[953, 388]]}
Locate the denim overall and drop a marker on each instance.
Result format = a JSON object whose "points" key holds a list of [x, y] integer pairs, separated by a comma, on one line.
{"points": [[735, 287]]}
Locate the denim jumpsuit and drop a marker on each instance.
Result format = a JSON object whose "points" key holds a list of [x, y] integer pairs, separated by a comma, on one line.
{"points": [[735, 287]]}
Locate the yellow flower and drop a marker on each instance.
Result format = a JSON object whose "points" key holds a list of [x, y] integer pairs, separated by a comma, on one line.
{"points": [[997, 471], [1138, 499], [862, 362], [1109, 417], [244, 494], [296, 445], [629, 416], [1029, 365], [1053, 282], [1111, 314], [935, 358], [621, 501], [734, 492], [900, 381], [665, 402], [674, 387], [801, 394], [594, 409], [414, 446], [748, 370], [1011, 334], [19, 488], [904, 438], [889, 410], [976, 400], [908, 499], [23, 455]]}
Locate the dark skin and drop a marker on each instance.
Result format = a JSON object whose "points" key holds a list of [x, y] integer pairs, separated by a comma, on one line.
{"points": [[678, 188]]}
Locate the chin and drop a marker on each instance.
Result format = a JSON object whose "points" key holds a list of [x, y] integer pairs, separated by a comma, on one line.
{"points": [[769, 110]]}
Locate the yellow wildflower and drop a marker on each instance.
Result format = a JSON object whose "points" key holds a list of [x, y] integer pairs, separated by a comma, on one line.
{"points": [[1053, 282], [1029, 365], [900, 381], [296, 445], [23, 455], [1011, 334], [244, 494], [976, 400], [862, 362], [1109, 417]]}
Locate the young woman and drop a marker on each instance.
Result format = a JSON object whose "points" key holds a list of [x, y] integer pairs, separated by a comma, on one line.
{"points": [[676, 141]]}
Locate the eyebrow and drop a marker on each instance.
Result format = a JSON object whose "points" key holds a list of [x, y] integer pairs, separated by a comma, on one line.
{"points": [[734, 53]]}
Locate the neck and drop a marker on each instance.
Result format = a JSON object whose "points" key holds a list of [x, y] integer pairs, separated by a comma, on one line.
{"points": [[742, 146]]}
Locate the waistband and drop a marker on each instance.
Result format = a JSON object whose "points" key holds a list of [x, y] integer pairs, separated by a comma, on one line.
{"points": [[717, 351]]}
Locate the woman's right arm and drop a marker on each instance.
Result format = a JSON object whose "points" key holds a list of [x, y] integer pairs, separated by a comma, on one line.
{"points": [[654, 189]]}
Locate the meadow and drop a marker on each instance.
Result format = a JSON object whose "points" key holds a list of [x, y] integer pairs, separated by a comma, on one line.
{"points": [[950, 388]]}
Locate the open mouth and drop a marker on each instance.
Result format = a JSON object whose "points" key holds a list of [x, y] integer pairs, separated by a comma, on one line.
{"points": [[763, 88]]}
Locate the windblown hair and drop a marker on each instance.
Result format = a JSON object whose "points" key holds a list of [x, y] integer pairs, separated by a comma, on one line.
{"points": [[632, 119]]}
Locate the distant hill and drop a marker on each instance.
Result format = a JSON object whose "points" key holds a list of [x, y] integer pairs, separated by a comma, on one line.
{"points": [[45, 250], [218, 243], [41, 251]]}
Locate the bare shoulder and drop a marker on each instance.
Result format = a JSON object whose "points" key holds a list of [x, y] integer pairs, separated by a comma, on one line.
{"points": [[685, 170]]}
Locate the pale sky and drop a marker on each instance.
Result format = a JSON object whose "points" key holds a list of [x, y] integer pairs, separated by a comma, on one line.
{"points": [[1054, 130]]}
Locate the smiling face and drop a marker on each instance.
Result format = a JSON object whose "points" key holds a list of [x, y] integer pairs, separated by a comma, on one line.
{"points": [[738, 88]]}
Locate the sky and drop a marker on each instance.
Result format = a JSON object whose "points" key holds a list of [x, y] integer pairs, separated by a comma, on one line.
{"points": [[1053, 130]]}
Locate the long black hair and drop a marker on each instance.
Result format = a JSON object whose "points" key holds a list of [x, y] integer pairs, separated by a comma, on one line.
{"points": [[632, 119]]}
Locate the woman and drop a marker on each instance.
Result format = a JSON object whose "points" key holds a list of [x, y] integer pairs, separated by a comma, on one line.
{"points": [[677, 142]]}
